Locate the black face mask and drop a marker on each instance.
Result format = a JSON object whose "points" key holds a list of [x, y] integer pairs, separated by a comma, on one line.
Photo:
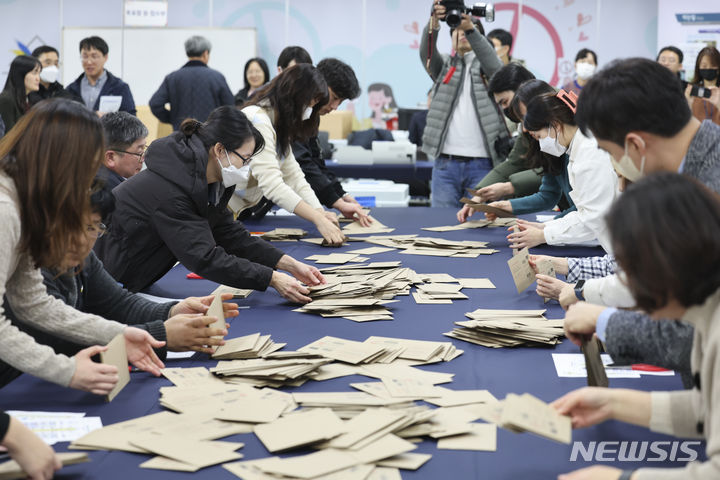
{"points": [[709, 74], [509, 114]]}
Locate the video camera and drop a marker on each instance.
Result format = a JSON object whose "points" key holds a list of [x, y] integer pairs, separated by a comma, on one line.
{"points": [[455, 9]]}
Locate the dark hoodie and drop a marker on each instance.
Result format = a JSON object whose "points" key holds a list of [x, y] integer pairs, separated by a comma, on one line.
{"points": [[163, 215]]}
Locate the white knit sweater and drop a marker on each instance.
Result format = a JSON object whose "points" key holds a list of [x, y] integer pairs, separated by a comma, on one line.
{"points": [[22, 285]]}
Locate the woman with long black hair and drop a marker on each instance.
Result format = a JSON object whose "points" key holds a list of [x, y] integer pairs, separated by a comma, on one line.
{"points": [[23, 79]]}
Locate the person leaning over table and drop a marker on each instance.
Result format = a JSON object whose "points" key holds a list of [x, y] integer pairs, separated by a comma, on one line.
{"points": [[645, 131], [591, 182], [87, 287], [342, 85], [668, 287], [44, 220], [176, 210], [287, 110], [511, 177], [555, 186]]}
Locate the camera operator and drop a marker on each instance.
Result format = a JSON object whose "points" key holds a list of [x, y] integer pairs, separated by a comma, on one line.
{"points": [[463, 122]]}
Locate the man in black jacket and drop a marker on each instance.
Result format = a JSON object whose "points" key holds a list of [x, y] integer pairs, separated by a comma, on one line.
{"points": [[193, 91], [49, 85], [342, 85], [96, 82]]}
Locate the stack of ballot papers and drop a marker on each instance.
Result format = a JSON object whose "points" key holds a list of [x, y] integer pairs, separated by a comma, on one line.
{"points": [[343, 219], [337, 258], [437, 247], [248, 346], [498, 222], [284, 234], [287, 370], [233, 403], [508, 328], [182, 442]]}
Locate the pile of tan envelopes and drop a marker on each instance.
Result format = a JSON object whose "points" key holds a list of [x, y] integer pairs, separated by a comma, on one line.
{"points": [[508, 328]]}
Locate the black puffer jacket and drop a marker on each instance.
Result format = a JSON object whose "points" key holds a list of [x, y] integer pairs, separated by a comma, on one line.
{"points": [[163, 215]]}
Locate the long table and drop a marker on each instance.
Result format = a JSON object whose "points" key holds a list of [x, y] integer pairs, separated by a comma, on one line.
{"points": [[501, 371]]}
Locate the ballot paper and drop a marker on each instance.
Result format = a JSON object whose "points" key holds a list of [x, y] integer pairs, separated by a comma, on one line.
{"points": [[371, 250], [109, 103], [199, 454], [299, 429], [573, 365], [481, 437], [348, 351], [522, 273], [333, 258], [470, 224], [528, 413], [596, 376], [483, 207], [116, 355], [406, 461], [355, 228], [284, 234], [191, 377], [545, 267], [248, 346], [385, 473], [10, 470], [54, 427], [237, 293], [216, 310], [476, 283]]}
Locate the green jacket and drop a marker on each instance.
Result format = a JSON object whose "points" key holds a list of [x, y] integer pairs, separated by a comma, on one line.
{"points": [[514, 170]]}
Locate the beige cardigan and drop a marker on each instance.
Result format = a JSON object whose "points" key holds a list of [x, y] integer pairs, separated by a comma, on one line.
{"points": [[22, 285], [694, 413], [280, 179]]}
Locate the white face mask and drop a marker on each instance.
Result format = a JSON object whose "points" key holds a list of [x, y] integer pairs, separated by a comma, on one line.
{"points": [[551, 146], [626, 167], [49, 74], [584, 70], [231, 175], [307, 113]]}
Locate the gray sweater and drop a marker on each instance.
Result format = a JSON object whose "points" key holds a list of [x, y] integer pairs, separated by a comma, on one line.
{"points": [[22, 285], [694, 413], [634, 337]]}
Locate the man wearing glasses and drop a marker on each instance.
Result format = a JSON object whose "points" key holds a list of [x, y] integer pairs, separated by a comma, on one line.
{"points": [[98, 88], [125, 136]]}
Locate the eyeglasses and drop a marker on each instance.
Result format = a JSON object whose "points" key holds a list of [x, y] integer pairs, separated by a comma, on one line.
{"points": [[244, 159], [97, 230], [139, 155]]}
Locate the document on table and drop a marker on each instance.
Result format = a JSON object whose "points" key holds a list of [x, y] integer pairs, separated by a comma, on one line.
{"points": [[573, 365], [53, 427]]}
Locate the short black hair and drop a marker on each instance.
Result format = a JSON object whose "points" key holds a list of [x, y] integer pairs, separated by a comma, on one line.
{"points": [[503, 36], [102, 201], [509, 77], [122, 130], [44, 49], [263, 66], [665, 253], [293, 52], [673, 49], [583, 52], [629, 95], [97, 43], [340, 77]]}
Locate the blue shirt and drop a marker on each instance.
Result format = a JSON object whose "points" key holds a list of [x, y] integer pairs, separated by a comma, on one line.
{"points": [[90, 93], [552, 188]]}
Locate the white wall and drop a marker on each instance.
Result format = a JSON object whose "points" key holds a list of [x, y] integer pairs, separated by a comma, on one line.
{"points": [[377, 37]]}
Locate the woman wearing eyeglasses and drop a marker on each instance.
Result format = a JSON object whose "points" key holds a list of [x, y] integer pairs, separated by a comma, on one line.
{"points": [[176, 210]]}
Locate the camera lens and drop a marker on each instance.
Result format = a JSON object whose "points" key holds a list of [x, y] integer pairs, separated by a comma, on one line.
{"points": [[453, 18]]}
